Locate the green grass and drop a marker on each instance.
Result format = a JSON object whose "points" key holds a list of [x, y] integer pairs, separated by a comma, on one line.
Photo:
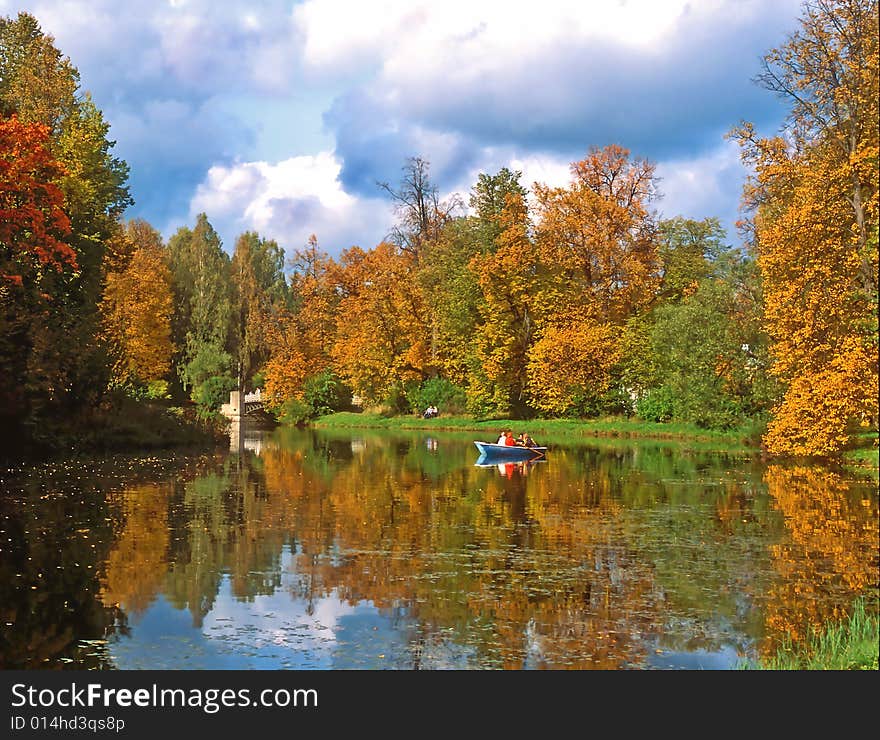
{"points": [[864, 452], [620, 427], [848, 645], [863, 455]]}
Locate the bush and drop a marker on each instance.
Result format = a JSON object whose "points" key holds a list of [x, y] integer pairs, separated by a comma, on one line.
{"points": [[325, 393], [294, 411], [158, 390], [656, 405], [212, 393], [446, 396]]}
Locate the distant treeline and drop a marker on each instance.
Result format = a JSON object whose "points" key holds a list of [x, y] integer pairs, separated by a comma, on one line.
{"points": [[571, 301]]}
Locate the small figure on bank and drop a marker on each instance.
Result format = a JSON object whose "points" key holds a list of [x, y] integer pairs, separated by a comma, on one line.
{"points": [[430, 412]]}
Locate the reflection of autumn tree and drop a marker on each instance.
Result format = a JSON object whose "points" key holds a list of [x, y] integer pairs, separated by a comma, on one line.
{"points": [[137, 564], [515, 571], [181, 538], [831, 547]]}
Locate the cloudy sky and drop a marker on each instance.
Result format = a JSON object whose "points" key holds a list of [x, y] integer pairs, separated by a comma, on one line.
{"points": [[281, 116]]}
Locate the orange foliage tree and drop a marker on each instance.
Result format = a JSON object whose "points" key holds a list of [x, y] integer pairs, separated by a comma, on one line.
{"points": [[586, 350], [382, 340], [814, 196], [598, 245], [301, 338]]}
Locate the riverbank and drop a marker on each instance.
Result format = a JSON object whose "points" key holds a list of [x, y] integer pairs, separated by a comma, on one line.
{"points": [[863, 456], [121, 424]]}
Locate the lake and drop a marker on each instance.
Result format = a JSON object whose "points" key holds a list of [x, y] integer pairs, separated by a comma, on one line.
{"points": [[364, 549]]}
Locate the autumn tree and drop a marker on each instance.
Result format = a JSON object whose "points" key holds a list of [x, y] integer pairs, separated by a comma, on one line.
{"points": [[597, 242], [449, 276], [34, 256], [36, 81], [301, 377], [814, 207], [598, 237], [67, 369], [313, 289], [506, 330], [381, 344], [137, 306]]}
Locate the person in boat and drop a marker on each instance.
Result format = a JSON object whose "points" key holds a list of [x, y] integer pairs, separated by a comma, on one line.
{"points": [[502, 438], [525, 440], [508, 439]]}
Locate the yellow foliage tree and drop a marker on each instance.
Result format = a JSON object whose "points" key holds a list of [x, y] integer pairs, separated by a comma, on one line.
{"points": [[506, 278], [814, 195], [598, 237], [136, 306], [288, 366], [570, 365], [598, 245]]}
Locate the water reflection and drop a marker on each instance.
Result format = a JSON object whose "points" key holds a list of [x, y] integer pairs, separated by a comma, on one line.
{"points": [[308, 549]]}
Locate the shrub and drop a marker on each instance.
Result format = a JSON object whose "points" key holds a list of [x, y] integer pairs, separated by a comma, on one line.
{"points": [[445, 395], [212, 393], [158, 390], [324, 393], [294, 411], [656, 405]]}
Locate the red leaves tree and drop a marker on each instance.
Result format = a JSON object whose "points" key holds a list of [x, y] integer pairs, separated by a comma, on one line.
{"points": [[33, 255], [33, 222]]}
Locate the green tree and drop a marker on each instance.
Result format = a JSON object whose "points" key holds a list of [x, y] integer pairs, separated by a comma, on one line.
{"points": [[203, 328], [260, 294], [709, 351], [688, 249]]}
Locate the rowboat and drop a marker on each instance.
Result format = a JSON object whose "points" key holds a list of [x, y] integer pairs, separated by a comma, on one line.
{"points": [[494, 451]]}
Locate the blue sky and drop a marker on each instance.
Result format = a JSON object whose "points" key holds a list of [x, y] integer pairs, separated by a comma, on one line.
{"points": [[281, 116]]}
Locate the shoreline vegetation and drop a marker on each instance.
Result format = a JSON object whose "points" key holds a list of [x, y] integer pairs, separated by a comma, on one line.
{"points": [[123, 425], [848, 644], [864, 454]]}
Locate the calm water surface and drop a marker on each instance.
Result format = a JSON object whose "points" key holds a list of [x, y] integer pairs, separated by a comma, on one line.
{"points": [[366, 550]]}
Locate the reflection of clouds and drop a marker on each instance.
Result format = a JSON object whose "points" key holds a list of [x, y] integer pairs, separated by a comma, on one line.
{"points": [[266, 632]]}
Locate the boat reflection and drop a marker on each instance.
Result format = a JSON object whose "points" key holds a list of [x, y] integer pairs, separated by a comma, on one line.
{"points": [[509, 469]]}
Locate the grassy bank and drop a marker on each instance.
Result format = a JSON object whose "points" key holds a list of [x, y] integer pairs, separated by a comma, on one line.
{"points": [[862, 456], [850, 644], [620, 427]]}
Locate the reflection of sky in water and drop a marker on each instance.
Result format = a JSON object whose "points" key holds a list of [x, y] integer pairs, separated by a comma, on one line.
{"points": [[267, 632], [698, 660]]}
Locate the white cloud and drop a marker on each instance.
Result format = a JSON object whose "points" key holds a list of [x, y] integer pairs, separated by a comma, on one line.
{"points": [[709, 185], [288, 201], [411, 37]]}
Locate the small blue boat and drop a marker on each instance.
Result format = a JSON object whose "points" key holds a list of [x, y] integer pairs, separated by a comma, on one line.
{"points": [[494, 451]]}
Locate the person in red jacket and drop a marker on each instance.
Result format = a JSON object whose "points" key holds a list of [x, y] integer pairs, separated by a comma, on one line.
{"points": [[508, 438]]}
